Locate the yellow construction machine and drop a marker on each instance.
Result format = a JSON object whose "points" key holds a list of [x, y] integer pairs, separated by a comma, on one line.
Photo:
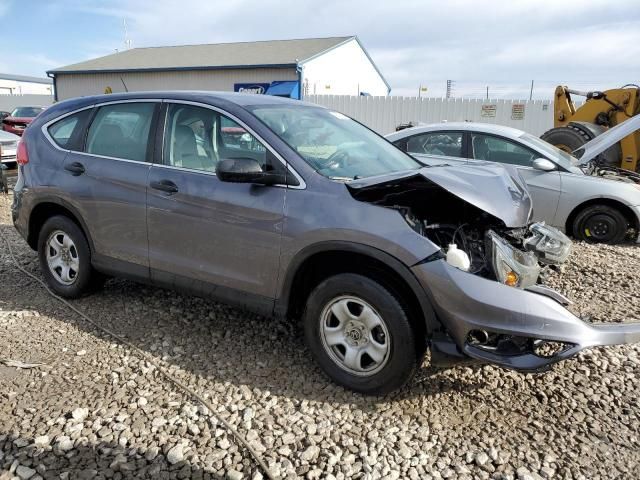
{"points": [[575, 126]]}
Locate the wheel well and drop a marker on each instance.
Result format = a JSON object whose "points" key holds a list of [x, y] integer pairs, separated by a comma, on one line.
{"points": [[323, 265], [621, 207], [41, 213]]}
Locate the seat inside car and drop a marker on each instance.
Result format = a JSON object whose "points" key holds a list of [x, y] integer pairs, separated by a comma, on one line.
{"points": [[185, 151], [481, 150]]}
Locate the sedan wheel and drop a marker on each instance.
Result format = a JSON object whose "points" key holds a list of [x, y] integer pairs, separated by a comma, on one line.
{"points": [[600, 224]]}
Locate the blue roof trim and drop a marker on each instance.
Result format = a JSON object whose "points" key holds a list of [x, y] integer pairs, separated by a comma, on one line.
{"points": [[287, 88], [174, 69]]}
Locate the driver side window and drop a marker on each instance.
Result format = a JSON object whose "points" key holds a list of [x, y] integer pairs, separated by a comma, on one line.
{"points": [[496, 149], [197, 138]]}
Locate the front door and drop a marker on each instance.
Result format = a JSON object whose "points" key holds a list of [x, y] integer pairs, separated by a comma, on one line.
{"points": [[544, 187], [218, 238]]}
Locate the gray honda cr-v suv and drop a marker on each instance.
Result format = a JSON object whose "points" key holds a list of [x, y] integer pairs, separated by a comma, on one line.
{"points": [[291, 209]]}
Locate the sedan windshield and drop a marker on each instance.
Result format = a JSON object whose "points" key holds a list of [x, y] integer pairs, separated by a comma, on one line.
{"points": [[26, 112], [333, 144], [562, 158]]}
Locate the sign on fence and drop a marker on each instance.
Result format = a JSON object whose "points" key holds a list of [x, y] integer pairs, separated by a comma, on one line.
{"points": [[488, 111], [517, 111]]}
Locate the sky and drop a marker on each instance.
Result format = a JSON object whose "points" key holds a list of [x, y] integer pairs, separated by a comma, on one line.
{"points": [[499, 44]]}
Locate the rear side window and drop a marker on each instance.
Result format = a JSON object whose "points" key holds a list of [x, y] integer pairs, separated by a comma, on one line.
{"points": [[121, 131], [67, 132]]}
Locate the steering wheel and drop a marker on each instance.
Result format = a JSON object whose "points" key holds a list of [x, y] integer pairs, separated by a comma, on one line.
{"points": [[338, 158]]}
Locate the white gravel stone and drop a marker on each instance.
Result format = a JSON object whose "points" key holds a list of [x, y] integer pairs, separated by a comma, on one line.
{"points": [[310, 454], [42, 441], [64, 443], [176, 454], [79, 414], [234, 475]]}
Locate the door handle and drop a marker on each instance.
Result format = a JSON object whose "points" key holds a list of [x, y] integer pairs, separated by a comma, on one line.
{"points": [[76, 168], [166, 186]]}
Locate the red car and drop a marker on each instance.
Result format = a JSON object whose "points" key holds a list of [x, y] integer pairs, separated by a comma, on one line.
{"points": [[18, 120]]}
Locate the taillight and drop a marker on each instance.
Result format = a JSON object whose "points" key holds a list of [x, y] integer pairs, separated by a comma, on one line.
{"points": [[22, 155]]}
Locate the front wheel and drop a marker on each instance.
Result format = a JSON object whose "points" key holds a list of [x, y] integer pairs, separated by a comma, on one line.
{"points": [[600, 224], [360, 334]]}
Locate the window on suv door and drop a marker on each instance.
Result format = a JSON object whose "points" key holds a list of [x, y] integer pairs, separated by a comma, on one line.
{"points": [[67, 132], [436, 143], [198, 138], [497, 149], [121, 131]]}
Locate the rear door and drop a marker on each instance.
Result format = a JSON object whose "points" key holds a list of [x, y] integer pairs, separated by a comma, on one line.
{"points": [[544, 187], [215, 237], [107, 182]]}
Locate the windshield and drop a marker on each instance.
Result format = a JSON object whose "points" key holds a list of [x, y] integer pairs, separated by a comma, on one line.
{"points": [[26, 112], [333, 144], [562, 158]]}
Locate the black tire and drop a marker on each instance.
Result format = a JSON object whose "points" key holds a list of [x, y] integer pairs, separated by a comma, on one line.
{"points": [[600, 224], [566, 138], [84, 279], [572, 137], [403, 355]]}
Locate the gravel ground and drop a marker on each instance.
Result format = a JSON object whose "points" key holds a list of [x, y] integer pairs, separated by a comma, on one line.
{"points": [[96, 410]]}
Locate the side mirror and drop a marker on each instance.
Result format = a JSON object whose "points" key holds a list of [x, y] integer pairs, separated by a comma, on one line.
{"points": [[544, 165], [246, 170]]}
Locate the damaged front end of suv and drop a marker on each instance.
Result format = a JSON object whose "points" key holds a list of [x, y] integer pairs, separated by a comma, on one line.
{"points": [[484, 277]]}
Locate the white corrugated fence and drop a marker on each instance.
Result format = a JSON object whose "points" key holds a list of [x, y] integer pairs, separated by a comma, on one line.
{"points": [[384, 114]]}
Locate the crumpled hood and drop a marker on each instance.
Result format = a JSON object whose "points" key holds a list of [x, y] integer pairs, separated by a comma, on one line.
{"points": [[497, 190]]}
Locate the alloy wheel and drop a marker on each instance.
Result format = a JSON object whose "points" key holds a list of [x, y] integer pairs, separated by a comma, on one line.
{"points": [[355, 335], [62, 257]]}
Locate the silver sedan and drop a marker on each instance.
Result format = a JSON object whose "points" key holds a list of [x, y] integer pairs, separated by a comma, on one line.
{"points": [[582, 197]]}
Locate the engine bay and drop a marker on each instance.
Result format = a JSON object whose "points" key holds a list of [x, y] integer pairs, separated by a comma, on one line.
{"points": [[512, 255]]}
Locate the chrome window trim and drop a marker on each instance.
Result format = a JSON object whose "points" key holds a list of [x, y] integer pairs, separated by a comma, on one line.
{"points": [[302, 184]]}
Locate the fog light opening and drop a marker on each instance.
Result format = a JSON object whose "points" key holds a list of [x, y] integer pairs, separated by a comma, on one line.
{"points": [[548, 349], [478, 337]]}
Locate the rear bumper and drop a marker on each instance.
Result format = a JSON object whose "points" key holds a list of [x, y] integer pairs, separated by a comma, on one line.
{"points": [[468, 306]]}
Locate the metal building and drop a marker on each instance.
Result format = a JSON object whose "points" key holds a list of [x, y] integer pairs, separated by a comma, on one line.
{"points": [[292, 68], [23, 85]]}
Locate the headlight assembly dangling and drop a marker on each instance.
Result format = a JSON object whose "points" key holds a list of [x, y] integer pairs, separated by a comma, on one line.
{"points": [[550, 244], [511, 266]]}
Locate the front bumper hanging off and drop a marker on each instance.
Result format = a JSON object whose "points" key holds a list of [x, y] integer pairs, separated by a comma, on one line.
{"points": [[511, 327]]}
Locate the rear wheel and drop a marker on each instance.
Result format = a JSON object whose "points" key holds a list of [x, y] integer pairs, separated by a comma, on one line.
{"points": [[360, 334], [600, 224], [65, 258]]}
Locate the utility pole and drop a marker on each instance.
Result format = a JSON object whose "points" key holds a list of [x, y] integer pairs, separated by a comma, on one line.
{"points": [[487, 92], [127, 40], [449, 88], [531, 91]]}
